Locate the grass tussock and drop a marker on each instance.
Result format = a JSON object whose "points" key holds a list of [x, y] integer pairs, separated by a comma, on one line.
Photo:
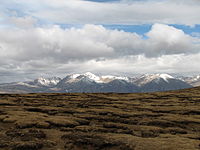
{"points": [[144, 121]]}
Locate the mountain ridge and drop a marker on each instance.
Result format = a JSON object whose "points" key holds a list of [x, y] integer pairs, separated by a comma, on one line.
{"points": [[91, 83]]}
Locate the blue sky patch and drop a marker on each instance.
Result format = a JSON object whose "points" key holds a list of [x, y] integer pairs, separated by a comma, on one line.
{"points": [[139, 29]]}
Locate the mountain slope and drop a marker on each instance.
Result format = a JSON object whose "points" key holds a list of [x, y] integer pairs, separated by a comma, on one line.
{"points": [[160, 82], [194, 81], [90, 83], [46, 82], [77, 83], [37, 86], [119, 86]]}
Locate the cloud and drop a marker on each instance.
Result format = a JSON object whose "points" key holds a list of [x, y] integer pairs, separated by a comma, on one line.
{"points": [[53, 43], [32, 41], [166, 40], [117, 12], [23, 22], [92, 42], [95, 48]]}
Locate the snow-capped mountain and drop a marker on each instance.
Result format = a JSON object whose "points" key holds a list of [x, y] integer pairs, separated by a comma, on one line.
{"points": [[109, 78], [159, 82], [147, 78], [46, 81], [87, 77], [40, 82], [194, 81], [37, 85], [78, 83], [89, 82], [90, 77]]}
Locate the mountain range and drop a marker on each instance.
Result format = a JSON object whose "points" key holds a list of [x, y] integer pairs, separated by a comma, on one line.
{"points": [[91, 83]]}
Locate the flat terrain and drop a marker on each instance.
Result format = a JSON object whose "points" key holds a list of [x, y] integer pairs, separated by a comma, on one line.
{"points": [[161, 121]]}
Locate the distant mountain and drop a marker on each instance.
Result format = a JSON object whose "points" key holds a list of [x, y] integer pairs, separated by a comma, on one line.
{"points": [[160, 82], [119, 86], [46, 82], [78, 83], [194, 81], [38, 85], [90, 83]]}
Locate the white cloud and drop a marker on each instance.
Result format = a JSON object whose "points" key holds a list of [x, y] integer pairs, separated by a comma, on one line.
{"points": [[164, 40], [30, 46], [92, 42], [23, 22], [131, 65], [95, 48], [123, 12]]}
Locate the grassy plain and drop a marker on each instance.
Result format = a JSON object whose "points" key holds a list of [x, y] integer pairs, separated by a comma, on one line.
{"points": [[144, 121]]}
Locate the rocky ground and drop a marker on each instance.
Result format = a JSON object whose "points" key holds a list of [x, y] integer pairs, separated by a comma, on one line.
{"points": [[148, 121]]}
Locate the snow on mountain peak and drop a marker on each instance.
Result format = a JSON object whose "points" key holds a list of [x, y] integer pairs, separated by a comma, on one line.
{"points": [[150, 77], [165, 76], [74, 76], [89, 75], [110, 78], [47, 81], [95, 78], [92, 76], [43, 81], [197, 78]]}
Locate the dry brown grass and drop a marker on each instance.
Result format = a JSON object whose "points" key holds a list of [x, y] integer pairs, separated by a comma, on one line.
{"points": [[145, 121]]}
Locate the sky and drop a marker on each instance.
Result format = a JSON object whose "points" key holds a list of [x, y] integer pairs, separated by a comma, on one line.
{"points": [[117, 37]]}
